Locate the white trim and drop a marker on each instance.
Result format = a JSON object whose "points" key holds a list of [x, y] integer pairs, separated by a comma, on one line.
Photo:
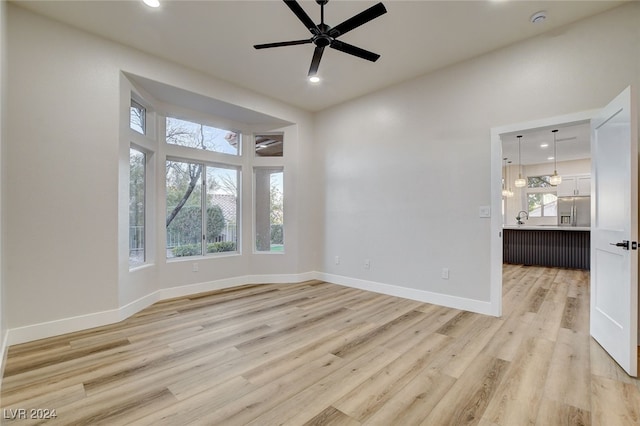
{"points": [[186, 290], [66, 325], [43, 330], [82, 322], [496, 193], [448, 301], [136, 306], [4, 348]]}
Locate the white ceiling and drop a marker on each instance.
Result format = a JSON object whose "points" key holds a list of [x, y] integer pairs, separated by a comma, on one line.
{"points": [[217, 38], [573, 142]]}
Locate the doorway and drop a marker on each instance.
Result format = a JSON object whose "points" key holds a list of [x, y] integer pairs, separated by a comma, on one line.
{"points": [[498, 134], [614, 212]]}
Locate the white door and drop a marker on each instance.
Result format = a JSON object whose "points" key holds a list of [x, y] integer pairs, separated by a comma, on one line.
{"points": [[614, 230]]}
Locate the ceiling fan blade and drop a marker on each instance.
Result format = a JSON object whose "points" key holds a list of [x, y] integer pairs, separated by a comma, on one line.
{"points": [[302, 15], [282, 43], [357, 20], [315, 62], [354, 50]]}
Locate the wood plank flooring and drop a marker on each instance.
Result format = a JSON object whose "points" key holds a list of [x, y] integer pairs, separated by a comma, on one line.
{"points": [[315, 353]]}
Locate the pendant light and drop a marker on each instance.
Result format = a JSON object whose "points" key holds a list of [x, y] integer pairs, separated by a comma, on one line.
{"points": [[520, 182], [509, 191], [555, 179], [505, 192]]}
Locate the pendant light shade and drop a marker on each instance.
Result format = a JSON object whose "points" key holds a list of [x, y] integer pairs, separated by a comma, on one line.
{"points": [[505, 191], [520, 182], [509, 191], [555, 179]]}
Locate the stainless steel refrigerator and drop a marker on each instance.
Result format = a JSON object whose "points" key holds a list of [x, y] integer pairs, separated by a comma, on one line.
{"points": [[574, 211]]}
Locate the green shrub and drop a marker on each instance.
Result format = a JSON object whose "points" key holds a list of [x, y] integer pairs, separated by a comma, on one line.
{"points": [[221, 247], [276, 234], [187, 250], [194, 249]]}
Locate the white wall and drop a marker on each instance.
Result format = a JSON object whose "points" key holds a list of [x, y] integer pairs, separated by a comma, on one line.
{"points": [[406, 169], [3, 87], [395, 177], [62, 153]]}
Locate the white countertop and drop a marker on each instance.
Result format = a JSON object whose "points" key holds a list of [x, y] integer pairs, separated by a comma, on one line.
{"points": [[547, 228]]}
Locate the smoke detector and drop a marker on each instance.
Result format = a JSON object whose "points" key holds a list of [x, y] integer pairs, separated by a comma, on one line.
{"points": [[538, 17]]}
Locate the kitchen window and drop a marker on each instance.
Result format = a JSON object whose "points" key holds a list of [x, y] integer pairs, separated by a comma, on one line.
{"points": [[541, 197]]}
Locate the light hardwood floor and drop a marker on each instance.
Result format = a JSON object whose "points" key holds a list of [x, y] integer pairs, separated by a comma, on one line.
{"points": [[320, 354]]}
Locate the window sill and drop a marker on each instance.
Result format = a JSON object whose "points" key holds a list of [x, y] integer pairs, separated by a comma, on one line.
{"points": [[207, 257]]}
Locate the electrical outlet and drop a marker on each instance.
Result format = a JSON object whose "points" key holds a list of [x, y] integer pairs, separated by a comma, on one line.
{"points": [[367, 264], [337, 260], [445, 273], [195, 268]]}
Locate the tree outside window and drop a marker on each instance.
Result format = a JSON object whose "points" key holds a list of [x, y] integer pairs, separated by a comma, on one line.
{"points": [[541, 200], [137, 188], [269, 206], [201, 199]]}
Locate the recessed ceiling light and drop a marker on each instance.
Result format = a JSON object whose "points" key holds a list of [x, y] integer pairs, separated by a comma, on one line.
{"points": [[544, 145], [550, 158], [152, 3], [314, 79]]}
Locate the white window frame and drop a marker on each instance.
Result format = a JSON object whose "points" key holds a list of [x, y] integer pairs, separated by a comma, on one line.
{"points": [[277, 169], [146, 144], [538, 190], [174, 152]]}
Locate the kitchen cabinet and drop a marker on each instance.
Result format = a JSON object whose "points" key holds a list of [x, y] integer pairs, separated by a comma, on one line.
{"points": [[563, 247], [572, 186]]}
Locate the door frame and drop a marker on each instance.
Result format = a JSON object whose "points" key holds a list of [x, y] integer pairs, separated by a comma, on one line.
{"points": [[496, 191]]}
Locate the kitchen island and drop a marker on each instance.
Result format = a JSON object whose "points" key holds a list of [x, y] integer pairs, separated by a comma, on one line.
{"points": [[557, 246]]}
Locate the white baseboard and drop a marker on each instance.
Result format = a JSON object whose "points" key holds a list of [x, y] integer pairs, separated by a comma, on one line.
{"points": [[32, 332], [4, 347], [186, 290], [82, 322], [449, 301]]}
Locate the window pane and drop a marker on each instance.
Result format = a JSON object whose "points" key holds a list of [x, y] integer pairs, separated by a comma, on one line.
{"points": [[542, 204], [535, 205], [137, 117], [137, 162], [550, 205], [539, 181], [269, 145], [269, 192], [199, 136], [222, 209], [184, 209]]}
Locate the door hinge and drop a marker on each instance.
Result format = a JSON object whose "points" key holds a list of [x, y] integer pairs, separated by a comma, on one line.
{"points": [[634, 245]]}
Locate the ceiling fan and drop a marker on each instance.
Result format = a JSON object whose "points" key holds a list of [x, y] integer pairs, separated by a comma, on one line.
{"points": [[323, 35]]}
